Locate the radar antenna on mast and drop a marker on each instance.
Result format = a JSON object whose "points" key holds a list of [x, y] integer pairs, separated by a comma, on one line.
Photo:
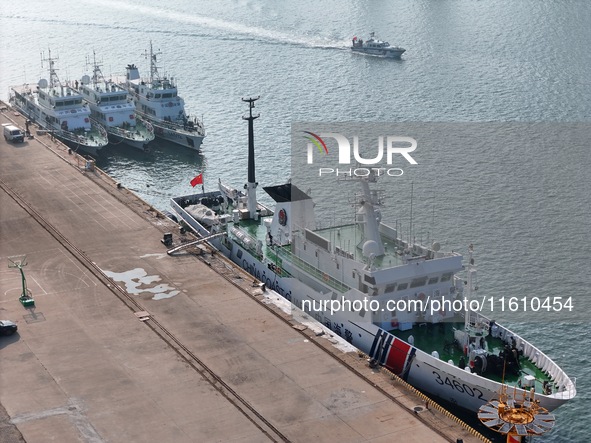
{"points": [[153, 67]]}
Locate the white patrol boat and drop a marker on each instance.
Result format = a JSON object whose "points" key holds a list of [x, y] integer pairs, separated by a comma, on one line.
{"points": [[390, 287], [374, 46], [61, 110], [111, 107], [157, 101]]}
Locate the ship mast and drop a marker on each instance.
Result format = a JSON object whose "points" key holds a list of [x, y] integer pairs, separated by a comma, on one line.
{"points": [[54, 80], [252, 184], [470, 284], [153, 68], [97, 75]]}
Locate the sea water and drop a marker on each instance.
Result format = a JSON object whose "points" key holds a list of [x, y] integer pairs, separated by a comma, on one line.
{"points": [[523, 201]]}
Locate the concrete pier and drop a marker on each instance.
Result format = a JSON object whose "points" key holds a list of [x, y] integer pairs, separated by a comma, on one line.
{"points": [[128, 344]]}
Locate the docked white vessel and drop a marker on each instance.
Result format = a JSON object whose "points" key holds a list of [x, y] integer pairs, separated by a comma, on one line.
{"points": [[374, 46], [111, 107], [390, 286], [157, 100], [61, 110]]}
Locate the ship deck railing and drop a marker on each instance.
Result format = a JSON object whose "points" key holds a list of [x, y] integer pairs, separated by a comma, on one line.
{"points": [[97, 136], [442, 341], [545, 367], [131, 131], [566, 387], [195, 126], [346, 237], [312, 270]]}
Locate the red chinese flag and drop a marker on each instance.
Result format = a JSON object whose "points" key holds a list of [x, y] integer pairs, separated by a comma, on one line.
{"points": [[197, 180], [513, 439]]}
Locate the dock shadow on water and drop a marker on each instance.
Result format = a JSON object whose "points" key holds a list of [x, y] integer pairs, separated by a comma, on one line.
{"points": [[155, 175]]}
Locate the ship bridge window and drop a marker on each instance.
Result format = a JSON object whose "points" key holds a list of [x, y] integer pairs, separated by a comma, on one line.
{"points": [[390, 287], [167, 95], [70, 102], [433, 280], [418, 282], [446, 276], [402, 286], [158, 95], [148, 110], [369, 279]]}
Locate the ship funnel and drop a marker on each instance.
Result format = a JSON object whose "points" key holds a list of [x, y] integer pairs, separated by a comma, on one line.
{"points": [[132, 72], [252, 184]]}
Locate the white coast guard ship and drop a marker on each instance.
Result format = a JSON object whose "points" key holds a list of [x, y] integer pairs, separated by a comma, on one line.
{"points": [[111, 107], [463, 359], [157, 101], [61, 110]]}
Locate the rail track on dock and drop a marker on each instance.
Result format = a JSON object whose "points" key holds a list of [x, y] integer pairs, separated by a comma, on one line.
{"points": [[254, 416]]}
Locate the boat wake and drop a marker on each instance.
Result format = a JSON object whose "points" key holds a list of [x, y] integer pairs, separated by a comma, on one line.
{"points": [[237, 31], [234, 31]]}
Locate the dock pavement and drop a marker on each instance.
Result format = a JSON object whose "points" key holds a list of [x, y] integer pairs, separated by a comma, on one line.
{"points": [[128, 344]]}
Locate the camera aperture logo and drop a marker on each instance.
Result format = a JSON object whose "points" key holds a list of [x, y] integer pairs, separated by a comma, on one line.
{"points": [[394, 145]]}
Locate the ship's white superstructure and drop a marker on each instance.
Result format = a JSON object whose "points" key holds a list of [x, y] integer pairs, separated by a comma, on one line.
{"points": [[111, 107], [157, 101], [61, 110]]}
